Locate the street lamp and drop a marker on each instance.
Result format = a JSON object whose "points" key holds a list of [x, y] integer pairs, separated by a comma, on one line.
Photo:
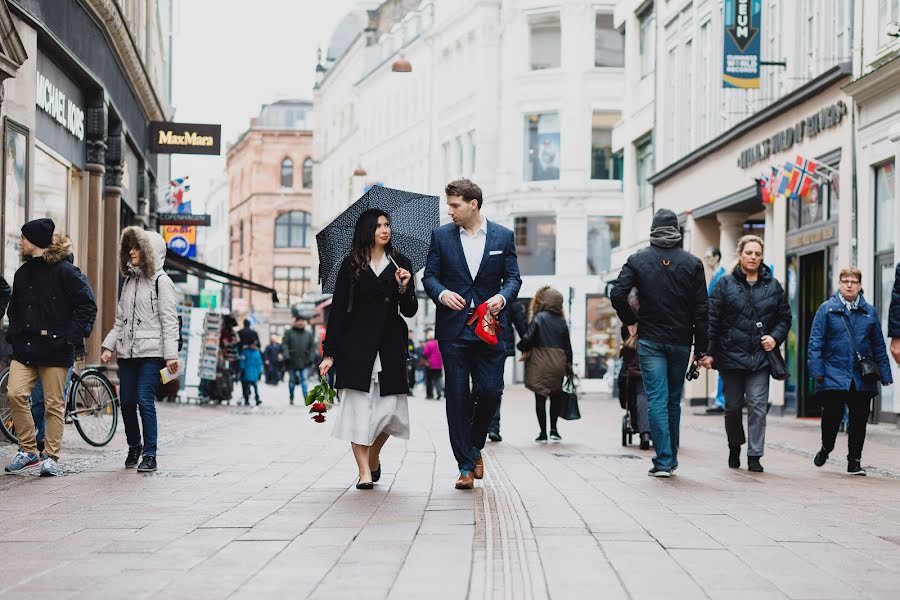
{"points": [[401, 65]]}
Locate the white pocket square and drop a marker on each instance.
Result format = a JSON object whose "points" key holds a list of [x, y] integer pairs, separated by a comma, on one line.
{"points": [[496, 252]]}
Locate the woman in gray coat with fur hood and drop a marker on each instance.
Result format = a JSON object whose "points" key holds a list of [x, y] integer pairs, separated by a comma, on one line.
{"points": [[144, 338]]}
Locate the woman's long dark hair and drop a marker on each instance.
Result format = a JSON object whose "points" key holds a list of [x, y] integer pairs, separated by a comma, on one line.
{"points": [[364, 239]]}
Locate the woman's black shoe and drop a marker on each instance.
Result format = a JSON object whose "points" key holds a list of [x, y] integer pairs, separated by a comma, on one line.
{"points": [[645, 441], [376, 474], [364, 485], [734, 457]]}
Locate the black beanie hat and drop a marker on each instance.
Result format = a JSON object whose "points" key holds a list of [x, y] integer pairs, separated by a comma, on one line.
{"points": [[39, 232], [664, 218]]}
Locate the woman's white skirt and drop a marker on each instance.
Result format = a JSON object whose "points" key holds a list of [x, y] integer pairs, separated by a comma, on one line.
{"points": [[363, 416]]}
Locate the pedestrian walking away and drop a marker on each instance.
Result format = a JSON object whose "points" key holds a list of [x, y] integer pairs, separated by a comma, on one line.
{"points": [[144, 339], [713, 262], [251, 372], [274, 361], [248, 336], [434, 367], [671, 287], [299, 348], [845, 339], [519, 321], [749, 315], [366, 341], [547, 351], [471, 274], [50, 310]]}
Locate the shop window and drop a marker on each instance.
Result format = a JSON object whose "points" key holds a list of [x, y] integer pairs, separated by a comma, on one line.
{"points": [[647, 32], [603, 161], [287, 173], [609, 44], [546, 41], [308, 173], [888, 12], [290, 283], [541, 146], [814, 204], [884, 206], [536, 244], [644, 151], [51, 189], [601, 336], [15, 193], [604, 235], [292, 230]]}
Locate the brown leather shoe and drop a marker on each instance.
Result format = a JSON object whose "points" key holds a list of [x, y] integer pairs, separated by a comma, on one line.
{"points": [[479, 468], [465, 481]]}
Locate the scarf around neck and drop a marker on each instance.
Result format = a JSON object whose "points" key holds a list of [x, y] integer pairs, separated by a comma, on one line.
{"points": [[665, 237]]}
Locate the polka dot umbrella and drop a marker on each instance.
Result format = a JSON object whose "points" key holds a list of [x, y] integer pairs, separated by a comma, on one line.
{"points": [[413, 216]]}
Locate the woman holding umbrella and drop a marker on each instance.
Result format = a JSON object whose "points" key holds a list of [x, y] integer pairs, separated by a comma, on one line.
{"points": [[366, 341]]}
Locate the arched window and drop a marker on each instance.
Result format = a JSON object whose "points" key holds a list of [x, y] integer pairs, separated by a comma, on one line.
{"points": [[307, 172], [287, 173], [292, 230]]}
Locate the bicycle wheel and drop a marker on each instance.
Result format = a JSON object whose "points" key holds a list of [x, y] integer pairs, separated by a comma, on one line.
{"points": [[6, 420], [94, 408]]}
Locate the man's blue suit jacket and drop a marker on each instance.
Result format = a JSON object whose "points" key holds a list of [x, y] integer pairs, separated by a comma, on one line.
{"points": [[446, 269]]}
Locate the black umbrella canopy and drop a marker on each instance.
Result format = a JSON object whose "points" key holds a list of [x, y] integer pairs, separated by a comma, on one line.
{"points": [[413, 216]]}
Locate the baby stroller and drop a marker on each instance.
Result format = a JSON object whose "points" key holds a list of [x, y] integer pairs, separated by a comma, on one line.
{"points": [[627, 400]]}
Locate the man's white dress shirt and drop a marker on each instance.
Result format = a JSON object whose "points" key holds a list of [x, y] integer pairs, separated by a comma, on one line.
{"points": [[473, 249]]}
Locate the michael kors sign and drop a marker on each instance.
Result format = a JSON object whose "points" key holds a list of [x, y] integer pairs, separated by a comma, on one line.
{"points": [[185, 138]]}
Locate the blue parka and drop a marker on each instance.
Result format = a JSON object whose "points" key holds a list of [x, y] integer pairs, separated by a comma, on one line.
{"points": [[830, 352], [251, 363]]}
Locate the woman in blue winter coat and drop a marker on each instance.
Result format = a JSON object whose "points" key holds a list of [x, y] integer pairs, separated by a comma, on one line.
{"points": [[251, 363], [834, 363]]}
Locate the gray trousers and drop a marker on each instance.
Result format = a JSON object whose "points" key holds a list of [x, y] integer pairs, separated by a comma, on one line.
{"points": [[748, 389]]}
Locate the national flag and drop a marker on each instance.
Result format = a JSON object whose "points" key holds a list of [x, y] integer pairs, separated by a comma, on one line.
{"points": [[806, 172], [786, 174], [763, 183], [176, 194], [773, 184]]}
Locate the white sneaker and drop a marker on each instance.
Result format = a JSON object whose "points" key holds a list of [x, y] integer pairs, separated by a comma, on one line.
{"points": [[49, 468]]}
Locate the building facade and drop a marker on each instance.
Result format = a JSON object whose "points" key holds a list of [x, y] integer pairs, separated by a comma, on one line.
{"points": [[520, 96], [270, 183], [82, 82]]}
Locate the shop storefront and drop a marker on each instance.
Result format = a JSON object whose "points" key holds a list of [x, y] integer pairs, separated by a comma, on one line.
{"points": [[717, 192]]}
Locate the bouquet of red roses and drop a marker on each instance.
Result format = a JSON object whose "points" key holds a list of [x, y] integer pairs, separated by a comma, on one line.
{"points": [[320, 399]]}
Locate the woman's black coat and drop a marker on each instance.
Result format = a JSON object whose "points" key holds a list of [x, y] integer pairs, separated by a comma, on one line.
{"points": [[371, 324], [733, 334]]}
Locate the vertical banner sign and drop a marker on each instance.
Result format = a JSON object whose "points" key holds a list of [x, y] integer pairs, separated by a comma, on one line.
{"points": [[742, 35]]}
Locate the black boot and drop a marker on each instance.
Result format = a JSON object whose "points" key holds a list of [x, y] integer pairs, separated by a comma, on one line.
{"points": [[645, 441], [734, 457], [754, 465], [821, 457]]}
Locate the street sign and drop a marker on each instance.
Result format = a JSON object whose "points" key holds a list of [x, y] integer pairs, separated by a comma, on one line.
{"points": [[181, 240], [742, 41], [183, 219]]}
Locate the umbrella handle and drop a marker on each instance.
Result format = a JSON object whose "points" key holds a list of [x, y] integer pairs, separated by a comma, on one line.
{"points": [[391, 258]]}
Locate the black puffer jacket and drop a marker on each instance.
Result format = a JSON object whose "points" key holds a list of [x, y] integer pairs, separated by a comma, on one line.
{"points": [[672, 289], [548, 345], [733, 334]]}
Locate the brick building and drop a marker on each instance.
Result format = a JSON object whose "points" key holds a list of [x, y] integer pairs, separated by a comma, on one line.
{"points": [[269, 172]]}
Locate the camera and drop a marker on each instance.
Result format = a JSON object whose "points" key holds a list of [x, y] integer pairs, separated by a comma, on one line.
{"points": [[694, 370]]}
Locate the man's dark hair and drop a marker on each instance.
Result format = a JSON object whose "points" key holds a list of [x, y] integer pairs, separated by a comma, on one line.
{"points": [[246, 322], [713, 251], [469, 190]]}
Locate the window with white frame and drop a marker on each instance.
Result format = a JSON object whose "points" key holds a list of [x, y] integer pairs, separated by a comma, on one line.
{"points": [[472, 153], [545, 41], [644, 169], [292, 229], [536, 244], [772, 77], [604, 164], [810, 40], [604, 235], [542, 144], [888, 11], [460, 158], [609, 44], [687, 116], [671, 109], [703, 91], [647, 42], [290, 283], [841, 31], [445, 160]]}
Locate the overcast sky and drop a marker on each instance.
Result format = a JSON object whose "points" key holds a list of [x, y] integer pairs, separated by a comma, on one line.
{"points": [[230, 58]]}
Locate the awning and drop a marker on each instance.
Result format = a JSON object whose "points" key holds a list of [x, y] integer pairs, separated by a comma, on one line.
{"points": [[198, 269]]}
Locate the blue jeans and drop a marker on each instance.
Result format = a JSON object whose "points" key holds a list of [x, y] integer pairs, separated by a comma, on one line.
{"points": [[470, 409], [37, 404], [295, 375], [662, 368], [138, 380], [720, 393]]}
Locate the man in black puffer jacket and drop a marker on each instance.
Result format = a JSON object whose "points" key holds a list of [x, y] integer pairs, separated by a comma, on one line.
{"points": [[671, 286]]}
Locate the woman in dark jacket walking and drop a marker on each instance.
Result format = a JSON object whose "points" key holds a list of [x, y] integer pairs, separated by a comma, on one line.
{"points": [[748, 316], [832, 361], [549, 357], [366, 338]]}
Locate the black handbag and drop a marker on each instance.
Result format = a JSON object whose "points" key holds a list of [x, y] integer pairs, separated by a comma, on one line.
{"points": [[569, 409], [777, 366], [867, 366]]}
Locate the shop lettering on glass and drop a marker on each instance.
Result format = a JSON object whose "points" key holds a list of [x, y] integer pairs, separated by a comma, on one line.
{"points": [[810, 127], [53, 101]]}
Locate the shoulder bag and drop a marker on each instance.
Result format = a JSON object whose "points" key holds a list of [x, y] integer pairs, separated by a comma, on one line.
{"points": [[867, 366], [777, 367]]}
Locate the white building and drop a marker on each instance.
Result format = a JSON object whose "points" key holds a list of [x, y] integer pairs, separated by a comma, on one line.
{"points": [[213, 241], [520, 96]]}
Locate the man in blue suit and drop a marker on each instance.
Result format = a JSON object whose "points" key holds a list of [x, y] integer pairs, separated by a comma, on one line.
{"points": [[471, 261]]}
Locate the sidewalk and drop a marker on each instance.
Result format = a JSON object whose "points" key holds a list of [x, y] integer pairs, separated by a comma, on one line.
{"points": [[253, 503]]}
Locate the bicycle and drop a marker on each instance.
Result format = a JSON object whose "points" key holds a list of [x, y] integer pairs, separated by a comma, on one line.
{"points": [[91, 404]]}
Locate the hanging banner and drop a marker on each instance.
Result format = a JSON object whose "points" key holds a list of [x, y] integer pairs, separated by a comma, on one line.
{"points": [[742, 33]]}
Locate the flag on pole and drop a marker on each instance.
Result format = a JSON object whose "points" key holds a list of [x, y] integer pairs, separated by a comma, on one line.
{"points": [[787, 174], [805, 171], [773, 184], [176, 195]]}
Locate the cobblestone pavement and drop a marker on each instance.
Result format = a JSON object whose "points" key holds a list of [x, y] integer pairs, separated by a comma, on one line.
{"points": [[254, 503]]}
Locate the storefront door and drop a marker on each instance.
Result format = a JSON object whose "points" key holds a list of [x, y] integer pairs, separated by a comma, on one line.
{"points": [[806, 291], [884, 284]]}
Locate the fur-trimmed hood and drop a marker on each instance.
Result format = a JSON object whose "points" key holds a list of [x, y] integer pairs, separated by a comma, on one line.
{"points": [[60, 249], [152, 247]]}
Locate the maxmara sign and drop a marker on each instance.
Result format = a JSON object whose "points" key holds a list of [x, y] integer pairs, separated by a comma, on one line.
{"points": [[53, 101], [185, 138], [811, 126]]}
